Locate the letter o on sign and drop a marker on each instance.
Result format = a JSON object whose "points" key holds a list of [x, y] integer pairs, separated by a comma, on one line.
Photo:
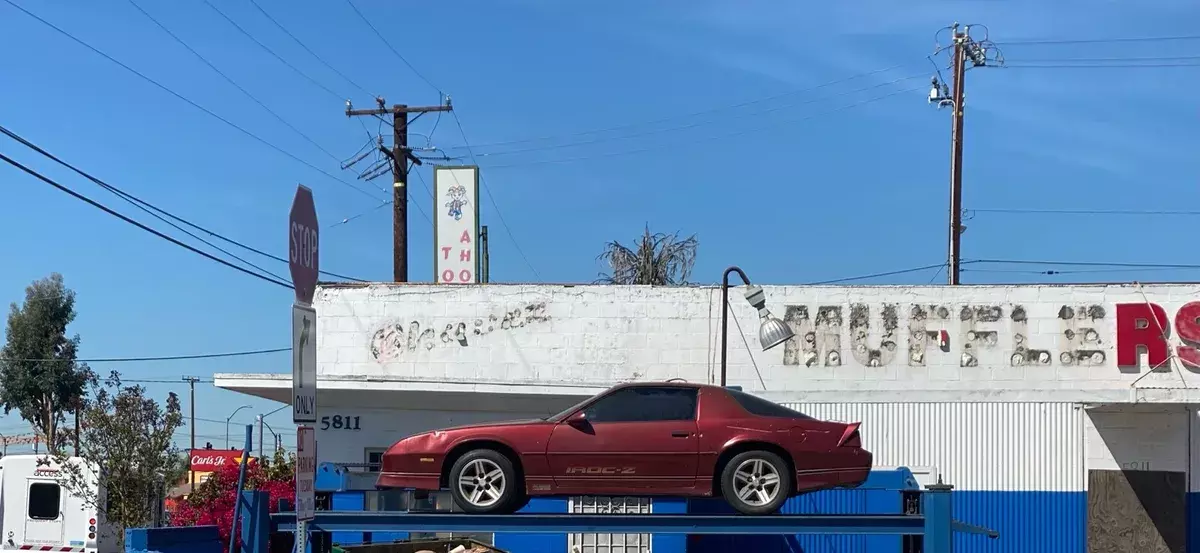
{"points": [[448, 275], [464, 276]]}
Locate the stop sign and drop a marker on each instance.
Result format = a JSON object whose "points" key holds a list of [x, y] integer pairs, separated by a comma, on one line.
{"points": [[303, 240]]}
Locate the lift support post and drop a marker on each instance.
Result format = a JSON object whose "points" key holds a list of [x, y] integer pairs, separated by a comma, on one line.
{"points": [[935, 523]]}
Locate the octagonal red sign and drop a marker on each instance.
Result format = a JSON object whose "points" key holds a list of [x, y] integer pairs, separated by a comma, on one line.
{"points": [[303, 245]]}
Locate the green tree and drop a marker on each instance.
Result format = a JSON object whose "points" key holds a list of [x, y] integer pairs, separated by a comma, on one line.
{"points": [[39, 374], [658, 259], [130, 436]]}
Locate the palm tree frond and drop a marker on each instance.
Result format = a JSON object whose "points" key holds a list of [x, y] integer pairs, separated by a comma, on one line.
{"points": [[656, 259]]}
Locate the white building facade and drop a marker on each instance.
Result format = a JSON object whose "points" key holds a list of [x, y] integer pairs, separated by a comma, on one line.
{"points": [[1066, 414]]}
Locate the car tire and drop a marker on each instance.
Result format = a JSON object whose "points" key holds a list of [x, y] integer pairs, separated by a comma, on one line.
{"points": [[756, 482], [484, 481]]}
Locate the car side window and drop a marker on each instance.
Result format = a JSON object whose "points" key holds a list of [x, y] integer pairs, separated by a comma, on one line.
{"points": [[645, 404], [765, 408]]}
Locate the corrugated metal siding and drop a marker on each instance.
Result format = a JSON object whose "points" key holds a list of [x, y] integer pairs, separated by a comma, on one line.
{"points": [[975, 446], [1016, 467]]}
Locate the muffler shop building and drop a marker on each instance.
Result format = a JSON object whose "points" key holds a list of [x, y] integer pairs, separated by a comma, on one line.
{"points": [[1066, 415]]}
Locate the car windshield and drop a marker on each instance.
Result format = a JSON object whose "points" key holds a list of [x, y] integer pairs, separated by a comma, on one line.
{"points": [[562, 414]]}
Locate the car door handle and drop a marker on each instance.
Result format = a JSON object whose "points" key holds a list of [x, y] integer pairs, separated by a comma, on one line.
{"points": [[680, 434]]}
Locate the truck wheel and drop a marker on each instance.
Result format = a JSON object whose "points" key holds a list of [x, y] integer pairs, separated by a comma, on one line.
{"points": [[756, 482], [484, 481]]}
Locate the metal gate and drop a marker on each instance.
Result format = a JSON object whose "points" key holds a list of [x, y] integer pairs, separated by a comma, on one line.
{"points": [[609, 543]]}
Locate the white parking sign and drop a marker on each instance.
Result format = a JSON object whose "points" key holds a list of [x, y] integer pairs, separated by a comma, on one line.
{"points": [[306, 473]]}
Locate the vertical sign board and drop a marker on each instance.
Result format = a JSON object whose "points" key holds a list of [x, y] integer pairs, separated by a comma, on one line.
{"points": [[304, 364], [304, 263], [306, 472], [456, 225]]}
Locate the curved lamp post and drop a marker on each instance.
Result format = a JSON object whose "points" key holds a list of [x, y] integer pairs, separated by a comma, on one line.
{"points": [[771, 330], [229, 418]]}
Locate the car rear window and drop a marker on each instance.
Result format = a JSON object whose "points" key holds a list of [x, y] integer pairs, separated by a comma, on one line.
{"points": [[764, 408]]}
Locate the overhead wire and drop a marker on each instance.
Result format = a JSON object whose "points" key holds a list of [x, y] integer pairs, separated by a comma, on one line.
{"points": [[1098, 40], [309, 50], [114, 213], [142, 358], [230, 80], [151, 209], [720, 136], [268, 49], [1084, 211], [880, 274], [189, 101], [393, 49], [706, 111], [488, 190]]}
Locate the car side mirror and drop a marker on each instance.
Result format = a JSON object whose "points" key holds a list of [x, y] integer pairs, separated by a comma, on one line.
{"points": [[579, 419]]}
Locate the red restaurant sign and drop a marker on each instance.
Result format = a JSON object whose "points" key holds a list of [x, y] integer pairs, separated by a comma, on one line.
{"points": [[209, 460]]}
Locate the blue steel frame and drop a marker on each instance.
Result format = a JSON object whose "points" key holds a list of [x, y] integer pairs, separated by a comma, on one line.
{"points": [[935, 523]]}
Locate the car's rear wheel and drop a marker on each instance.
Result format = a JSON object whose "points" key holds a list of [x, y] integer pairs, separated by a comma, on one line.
{"points": [[485, 481], [756, 482]]}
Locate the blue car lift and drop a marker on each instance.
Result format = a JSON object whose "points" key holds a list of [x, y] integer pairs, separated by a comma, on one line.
{"points": [[934, 523]]}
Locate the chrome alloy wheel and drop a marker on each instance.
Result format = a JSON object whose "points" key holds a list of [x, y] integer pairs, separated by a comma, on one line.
{"points": [[756, 482], [482, 483]]}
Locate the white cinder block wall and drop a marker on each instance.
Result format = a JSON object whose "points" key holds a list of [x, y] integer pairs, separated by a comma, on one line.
{"points": [[864, 343]]}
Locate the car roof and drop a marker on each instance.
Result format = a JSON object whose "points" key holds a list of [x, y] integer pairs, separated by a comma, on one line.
{"points": [[667, 383]]}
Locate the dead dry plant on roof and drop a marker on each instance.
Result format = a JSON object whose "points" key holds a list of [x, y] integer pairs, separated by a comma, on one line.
{"points": [[658, 259]]}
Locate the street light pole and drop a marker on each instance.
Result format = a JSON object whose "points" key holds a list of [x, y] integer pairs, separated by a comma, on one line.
{"points": [[229, 418], [771, 330]]}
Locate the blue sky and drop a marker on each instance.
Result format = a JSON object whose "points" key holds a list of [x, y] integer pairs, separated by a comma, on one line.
{"points": [[794, 186]]}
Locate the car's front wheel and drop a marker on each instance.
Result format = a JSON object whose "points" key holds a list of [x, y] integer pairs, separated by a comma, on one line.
{"points": [[485, 481], [756, 482]]}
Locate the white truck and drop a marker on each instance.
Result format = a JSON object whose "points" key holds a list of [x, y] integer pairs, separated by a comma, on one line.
{"points": [[39, 512]]}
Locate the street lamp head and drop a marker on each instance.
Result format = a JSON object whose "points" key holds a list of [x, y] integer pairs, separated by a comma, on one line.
{"points": [[773, 331]]}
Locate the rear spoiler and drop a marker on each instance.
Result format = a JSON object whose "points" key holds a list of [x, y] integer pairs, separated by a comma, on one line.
{"points": [[850, 430]]}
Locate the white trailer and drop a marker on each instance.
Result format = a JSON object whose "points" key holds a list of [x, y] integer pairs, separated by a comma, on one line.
{"points": [[40, 512]]}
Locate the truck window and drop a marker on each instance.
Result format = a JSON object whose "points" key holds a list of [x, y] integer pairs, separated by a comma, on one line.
{"points": [[43, 500]]}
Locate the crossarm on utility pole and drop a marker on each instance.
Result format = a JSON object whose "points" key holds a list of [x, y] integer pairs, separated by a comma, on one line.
{"points": [[400, 154]]}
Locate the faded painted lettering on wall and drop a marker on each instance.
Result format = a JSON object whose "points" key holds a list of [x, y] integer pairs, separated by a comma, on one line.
{"points": [[876, 338], [393, 341]]}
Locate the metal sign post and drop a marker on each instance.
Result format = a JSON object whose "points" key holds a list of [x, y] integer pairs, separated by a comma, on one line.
{"points": [[306, 475]]}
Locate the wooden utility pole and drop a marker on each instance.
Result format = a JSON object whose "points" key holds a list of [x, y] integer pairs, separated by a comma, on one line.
{"points": [[964, 49], [954, 257], [400, 154], [191, 380]]}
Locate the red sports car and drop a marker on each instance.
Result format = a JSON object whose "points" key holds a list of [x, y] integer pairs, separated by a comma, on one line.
{"points": [[646, 439]]}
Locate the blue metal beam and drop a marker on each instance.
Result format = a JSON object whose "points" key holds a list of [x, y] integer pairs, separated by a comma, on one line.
{"points": [[377, 521]]}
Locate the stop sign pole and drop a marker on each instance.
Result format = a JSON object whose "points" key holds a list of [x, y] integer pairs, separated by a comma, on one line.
{"points": [[304, 263]]}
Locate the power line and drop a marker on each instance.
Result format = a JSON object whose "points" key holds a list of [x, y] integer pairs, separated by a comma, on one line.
{"points": [[189, 101], [1099, 40], [1098, 66], [1098, 60], [693, 114], [718, 137], [1088, 263], [110, 211], [685, 126], [307, 49], [146, 206], [1084, 211], [488, 190], [272, 52], [230, 79], [166, 357], [882, 274], [393, 48]]}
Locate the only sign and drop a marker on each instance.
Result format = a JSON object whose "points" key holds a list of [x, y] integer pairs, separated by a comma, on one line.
{"points": [[303, 245]]}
